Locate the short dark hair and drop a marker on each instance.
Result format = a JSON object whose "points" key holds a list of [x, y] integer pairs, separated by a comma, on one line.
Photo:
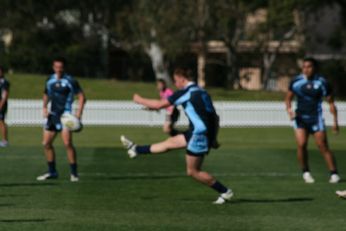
{"points": [[311, 60], [162, 81], [184, 72], [60, 60], [2, 68]]}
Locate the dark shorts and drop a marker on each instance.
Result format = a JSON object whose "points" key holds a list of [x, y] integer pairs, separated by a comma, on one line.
{"points": [[198, 144], [3, 114], [53, 123], [310, 125], [173, 118]]}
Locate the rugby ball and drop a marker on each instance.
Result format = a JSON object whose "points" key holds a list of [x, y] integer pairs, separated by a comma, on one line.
{"points": [[71, 122]]}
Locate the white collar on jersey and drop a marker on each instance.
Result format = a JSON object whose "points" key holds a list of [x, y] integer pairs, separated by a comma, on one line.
{"points": [[306, 78], [189, 84], [56, 77]]}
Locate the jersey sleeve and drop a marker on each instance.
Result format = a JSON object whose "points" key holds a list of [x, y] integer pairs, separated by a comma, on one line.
{"points": [[76, 87], [45, 91], [290, 86], [6, 86], [178, 98], [329, 89]]}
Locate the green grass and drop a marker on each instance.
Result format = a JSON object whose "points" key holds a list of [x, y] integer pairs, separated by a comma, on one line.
{"points": [[29, 86], [152, 192]]}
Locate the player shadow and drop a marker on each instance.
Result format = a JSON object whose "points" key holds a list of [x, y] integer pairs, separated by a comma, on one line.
{"points": [[144, 177], [6, 205], [27, 184], [14, 195], [284, 200], [23, 220]]}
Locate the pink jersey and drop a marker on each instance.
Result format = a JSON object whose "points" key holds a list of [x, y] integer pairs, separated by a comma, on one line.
{"points": [[165, 95]]}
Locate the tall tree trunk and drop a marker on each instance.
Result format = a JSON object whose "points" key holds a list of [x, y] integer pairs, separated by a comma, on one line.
{"points": [[202, 8], [201, 60], [105, 51], [270, 57], [268, 61], [157, 61], [233, 78]]}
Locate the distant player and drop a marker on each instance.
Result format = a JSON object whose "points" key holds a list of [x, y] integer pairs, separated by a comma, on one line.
{"points": [[310, 88], [198, 140], [60, 90], [172, 113], [4, 91]]}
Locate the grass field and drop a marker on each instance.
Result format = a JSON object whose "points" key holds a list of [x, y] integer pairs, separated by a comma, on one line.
{"points": [[152, 193], [121, 90]]}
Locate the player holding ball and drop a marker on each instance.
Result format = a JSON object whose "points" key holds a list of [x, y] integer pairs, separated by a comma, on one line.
{"points": [[60, 90]]}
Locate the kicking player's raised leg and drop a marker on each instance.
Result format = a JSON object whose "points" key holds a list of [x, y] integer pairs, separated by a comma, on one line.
{"points": [[66, 136], [48, 139], [302, 137], [322, 144], [174, 142]]}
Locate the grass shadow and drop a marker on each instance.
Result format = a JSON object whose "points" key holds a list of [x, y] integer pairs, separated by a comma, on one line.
{"points": [[23, 220], [27, 184], [6, 205], [284, 200], [14, 195], [145, 177]]}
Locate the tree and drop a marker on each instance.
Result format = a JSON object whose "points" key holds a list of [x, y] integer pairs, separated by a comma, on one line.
{"points": [[282, 24], [227, 23], [44, 29], [154, 27]]}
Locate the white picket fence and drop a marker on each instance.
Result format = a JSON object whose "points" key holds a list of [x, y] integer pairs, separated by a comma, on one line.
{"points": [[100, 112]]}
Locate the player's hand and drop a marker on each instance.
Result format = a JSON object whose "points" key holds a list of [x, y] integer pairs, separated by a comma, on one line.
{"points": [[45, 113], [336, 129], [79, 116], [150, 109], [291, 114], [137, 98]]}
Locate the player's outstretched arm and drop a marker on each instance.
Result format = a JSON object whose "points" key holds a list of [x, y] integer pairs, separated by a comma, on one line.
{"points": [[334, 112], [151, 103], [81, 103], [288, 102]]}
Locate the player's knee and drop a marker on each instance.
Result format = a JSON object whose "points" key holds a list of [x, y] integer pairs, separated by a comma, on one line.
{"points": [[302, 146], [191, 172], [323, 148], [68, 144], [47, 145]]}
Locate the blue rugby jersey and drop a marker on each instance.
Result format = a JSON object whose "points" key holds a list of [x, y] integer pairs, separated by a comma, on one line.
{"points": [[61, 93], [310, 95], [198, 107]]}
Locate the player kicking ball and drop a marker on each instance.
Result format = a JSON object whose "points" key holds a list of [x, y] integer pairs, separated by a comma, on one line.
{"points": [[310, 88], [60, 90], [198, 140]]}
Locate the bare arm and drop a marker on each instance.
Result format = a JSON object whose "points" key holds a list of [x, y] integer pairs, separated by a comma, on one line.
{"points": [[45, 105], [81, 103], [151, 103], [3, 99], [334, 112], [288, 102]]}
